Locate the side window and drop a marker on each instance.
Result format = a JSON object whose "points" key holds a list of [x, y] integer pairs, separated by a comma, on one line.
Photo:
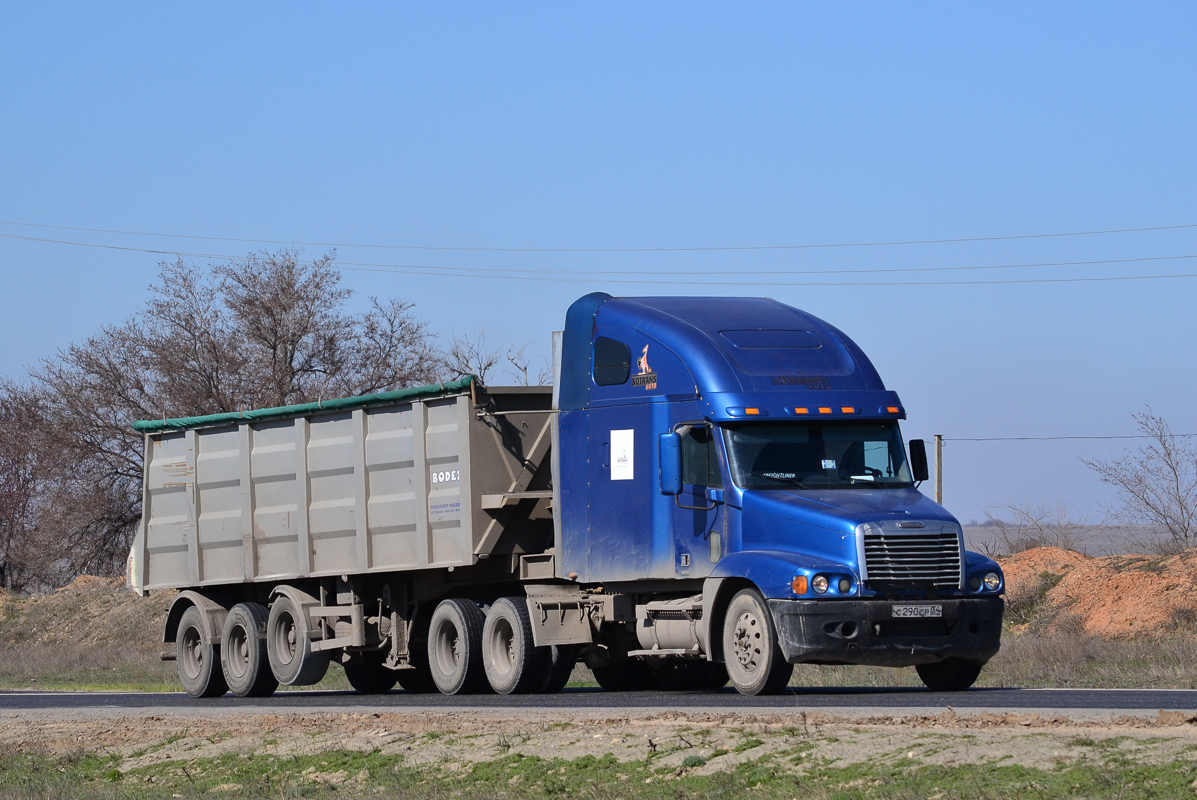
{"points": [[700, 459], [612, 362]]}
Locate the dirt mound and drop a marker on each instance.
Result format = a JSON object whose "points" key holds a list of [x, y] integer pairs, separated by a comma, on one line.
{"points": [[88, 610], [1115, 596]]}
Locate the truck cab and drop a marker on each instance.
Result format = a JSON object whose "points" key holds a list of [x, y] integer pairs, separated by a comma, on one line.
{"points": [[747, 455]]}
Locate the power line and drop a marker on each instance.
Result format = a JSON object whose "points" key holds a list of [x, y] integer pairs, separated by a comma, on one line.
{"points": [[613, 276], [1057, 438], [728, 248]]}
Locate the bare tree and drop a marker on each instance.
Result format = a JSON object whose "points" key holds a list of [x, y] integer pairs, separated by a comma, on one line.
{"points": [[470, 355], [1156, 484], [265, 331], [1026, 526]]}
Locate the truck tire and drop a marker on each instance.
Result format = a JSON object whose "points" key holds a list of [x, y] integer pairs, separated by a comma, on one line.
{"points": [[753, 657], [418, 679], [289, 646], [455, 647], [513, 664], [557, 669], [628, 675], [197, 657], [243, 653], [679, 675], [950, 675], [371, 675]]}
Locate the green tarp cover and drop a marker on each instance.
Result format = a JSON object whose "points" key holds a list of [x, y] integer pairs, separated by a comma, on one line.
{"points": [[340, 404]]}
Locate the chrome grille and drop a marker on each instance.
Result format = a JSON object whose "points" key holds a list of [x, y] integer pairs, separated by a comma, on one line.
{"points": [[924, 557]]}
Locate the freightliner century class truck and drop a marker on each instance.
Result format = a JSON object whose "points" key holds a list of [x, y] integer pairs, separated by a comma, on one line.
{"points": [[713, 489]]}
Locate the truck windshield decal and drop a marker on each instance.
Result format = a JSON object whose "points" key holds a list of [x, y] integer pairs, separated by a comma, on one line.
{"points": [[826, 455]]}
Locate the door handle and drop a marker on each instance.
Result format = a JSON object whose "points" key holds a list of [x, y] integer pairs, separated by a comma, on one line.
{"points": [[606, 454]]}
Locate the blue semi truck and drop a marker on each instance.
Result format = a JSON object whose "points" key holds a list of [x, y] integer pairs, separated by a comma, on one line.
{"points": [[713, 490]]}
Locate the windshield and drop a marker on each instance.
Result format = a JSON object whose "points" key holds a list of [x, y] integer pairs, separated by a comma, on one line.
{"points": [[817, 455]]}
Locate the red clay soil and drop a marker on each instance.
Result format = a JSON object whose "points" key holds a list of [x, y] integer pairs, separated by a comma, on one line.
{"points": [[1115, 596]]}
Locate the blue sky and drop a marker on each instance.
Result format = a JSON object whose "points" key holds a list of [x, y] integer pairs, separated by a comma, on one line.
{"points": [[647, 126]]}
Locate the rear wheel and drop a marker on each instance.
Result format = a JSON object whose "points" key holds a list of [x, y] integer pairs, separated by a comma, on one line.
{"points": [[950, 675], [455, 647], [371, 675], [197, 657], [753, 657], [691, 675], [289, 645], [628, 675], [243, 653], [513, 664]]}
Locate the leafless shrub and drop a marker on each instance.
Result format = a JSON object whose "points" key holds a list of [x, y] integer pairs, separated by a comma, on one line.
{"points": [[1023, 527], [1157, 484], [266, 331]]}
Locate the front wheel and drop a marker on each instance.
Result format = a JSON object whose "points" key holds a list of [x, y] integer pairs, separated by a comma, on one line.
{"points": [[751, 653], [950, 675]]}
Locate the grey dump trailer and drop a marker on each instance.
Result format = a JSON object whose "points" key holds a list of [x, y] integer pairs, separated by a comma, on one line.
{"points": [[713, 490], [332, 529]]}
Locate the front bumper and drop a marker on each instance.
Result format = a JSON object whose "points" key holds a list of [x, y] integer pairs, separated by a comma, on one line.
{"points": [[866, 631]]}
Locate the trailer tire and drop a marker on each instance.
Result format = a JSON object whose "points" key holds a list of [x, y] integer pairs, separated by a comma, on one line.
{"points": [[243, 653], [197, 657], [289, 645], [371, 675], [950, 675], [558, 668], [455, 647], [513, 663], [753, 657]]}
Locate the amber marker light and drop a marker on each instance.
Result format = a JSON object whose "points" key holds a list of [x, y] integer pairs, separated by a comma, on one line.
{"points": [[847, 410], [823, 410], [752, 411], [801, 410], [799, 584], [892, 409]]}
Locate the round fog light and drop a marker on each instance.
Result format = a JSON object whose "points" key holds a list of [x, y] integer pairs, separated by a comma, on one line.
{"points": [[974, 583], [819, 584], [992, 581], [845, 585]]}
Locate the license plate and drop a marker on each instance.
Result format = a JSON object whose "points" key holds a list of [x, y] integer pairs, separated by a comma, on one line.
{"points": [[917, 611]]}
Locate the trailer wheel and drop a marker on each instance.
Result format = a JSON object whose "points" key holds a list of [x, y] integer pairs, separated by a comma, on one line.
{"points": [[455, 647], [243, 651], [753, 657], [289, 645], [951, 675], [558, 668], [371, 675], [513, 664], [198, 658]]}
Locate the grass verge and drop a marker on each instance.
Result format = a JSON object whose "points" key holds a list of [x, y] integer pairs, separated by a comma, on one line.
{"points": [[346, 774]]}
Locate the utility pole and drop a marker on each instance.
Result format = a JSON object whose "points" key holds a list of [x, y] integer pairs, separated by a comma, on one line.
{"points": [[939, 468]]}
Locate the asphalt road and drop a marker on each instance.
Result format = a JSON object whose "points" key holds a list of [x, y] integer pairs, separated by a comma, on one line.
{"points": [[859, 700]]}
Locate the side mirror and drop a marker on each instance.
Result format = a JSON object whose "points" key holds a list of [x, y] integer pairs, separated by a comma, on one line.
{"points": [[670, 445], [918, 460]]}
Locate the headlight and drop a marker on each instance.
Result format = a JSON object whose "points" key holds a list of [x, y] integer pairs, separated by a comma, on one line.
{"points": [[992, 581], [819, 584]]}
